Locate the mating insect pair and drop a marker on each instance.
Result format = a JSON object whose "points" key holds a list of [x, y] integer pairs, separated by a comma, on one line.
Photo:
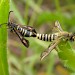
{"points": [[24, 31], [28, 31]]}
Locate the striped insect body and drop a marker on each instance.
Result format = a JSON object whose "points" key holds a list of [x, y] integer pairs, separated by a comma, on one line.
{"points": [[47, 37]]}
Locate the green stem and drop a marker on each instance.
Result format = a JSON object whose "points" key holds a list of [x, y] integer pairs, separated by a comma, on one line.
{"points": [[4, 10]]}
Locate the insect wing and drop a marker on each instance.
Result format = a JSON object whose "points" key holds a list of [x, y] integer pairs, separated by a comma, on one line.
{"points": [[29, 28], [57, 25], [49, 49], [23, 40]]}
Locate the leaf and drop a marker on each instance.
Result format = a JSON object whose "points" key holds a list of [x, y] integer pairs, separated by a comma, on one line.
{"points": [[67, 55], [4, 10]]}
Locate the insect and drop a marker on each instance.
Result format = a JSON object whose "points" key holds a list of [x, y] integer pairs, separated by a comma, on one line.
{"points": [[21, 31], [55, 38]]}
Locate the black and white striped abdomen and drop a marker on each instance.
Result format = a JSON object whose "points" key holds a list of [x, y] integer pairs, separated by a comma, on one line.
{"points": [[24, 32], [47, 37]]}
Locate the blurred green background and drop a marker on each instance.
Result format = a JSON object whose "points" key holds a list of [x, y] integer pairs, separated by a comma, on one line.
{"points": [[41, 14]]}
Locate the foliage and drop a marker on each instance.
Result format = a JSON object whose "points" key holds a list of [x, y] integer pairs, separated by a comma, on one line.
{"points": [[67, 55]]}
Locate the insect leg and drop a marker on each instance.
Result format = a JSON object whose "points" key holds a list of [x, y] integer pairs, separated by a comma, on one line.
{"points": [[49, 49], [23, 40]]}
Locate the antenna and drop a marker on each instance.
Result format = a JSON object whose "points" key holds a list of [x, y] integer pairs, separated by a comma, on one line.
{"points": [[8, 19]]}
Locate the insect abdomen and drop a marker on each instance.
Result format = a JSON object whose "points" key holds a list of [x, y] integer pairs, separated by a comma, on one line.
{"points": [[47, 37], [24, 32]]}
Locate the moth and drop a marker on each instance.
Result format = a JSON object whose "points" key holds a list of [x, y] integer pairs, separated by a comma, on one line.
{"points": [[21, 31]]}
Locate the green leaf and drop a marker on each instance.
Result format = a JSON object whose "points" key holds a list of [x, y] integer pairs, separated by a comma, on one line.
{"points": [[4, 11], [67, 55]]}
